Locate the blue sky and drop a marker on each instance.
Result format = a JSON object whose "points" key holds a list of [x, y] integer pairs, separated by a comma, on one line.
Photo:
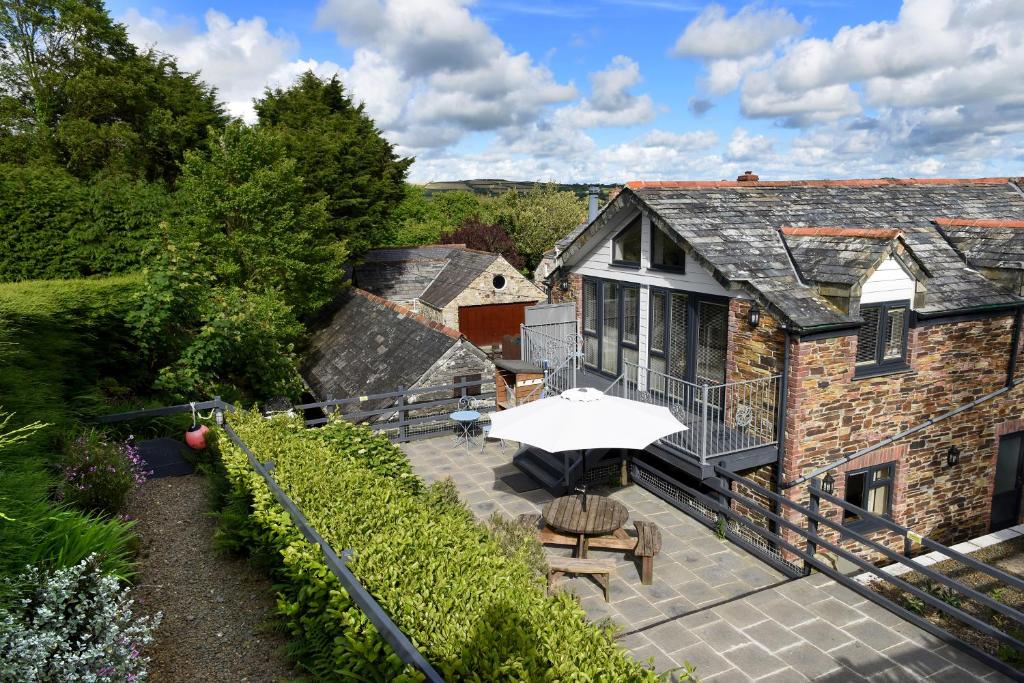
{"points": [[613, 90]]}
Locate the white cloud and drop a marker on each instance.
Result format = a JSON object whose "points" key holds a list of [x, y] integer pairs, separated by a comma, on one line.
{"points": [[430, 72], [751, 31], [610, 102], [731, 47], [936, 54], [240, 58], [746, 147]]}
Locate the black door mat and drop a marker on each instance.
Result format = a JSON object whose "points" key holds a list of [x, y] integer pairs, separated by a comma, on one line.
{"points": [[520, 483], [166, 457]]}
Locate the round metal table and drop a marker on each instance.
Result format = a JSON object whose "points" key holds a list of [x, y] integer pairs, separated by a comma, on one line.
{"points": [[601, 516], [466, 420]]}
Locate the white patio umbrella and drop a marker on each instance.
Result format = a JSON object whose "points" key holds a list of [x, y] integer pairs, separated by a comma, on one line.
{"points": [[584, 419]]}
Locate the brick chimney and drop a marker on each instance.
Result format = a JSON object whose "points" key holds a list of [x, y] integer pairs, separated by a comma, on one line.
{"points": [[746, 177]]}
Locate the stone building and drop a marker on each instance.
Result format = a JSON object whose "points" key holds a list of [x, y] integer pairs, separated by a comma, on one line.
{"points": [[477, 293], [370, 345], [794, 324]]}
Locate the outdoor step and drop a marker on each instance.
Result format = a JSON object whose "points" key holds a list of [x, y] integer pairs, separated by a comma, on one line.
{"points": [[529, 463]]}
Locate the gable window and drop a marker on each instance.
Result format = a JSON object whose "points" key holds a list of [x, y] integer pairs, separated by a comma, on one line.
{"points": [[626, 245], [882, 340], [665, 253], [871, 489]]}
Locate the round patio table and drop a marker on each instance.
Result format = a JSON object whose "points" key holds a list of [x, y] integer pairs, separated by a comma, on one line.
{"points": [[601, 516], [466, 420]]}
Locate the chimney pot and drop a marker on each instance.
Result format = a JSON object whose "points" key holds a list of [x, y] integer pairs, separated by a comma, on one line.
{"points": [[592, 193], [747, 177]]}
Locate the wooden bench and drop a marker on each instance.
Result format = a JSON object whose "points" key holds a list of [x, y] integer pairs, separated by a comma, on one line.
{"points": [[648, 544], [645, 545], [601, 570]]}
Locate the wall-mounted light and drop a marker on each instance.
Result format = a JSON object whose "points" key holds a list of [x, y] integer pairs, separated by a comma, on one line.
{"points": [[828, 484], [564, 285], [952, 456], [754, 318]]}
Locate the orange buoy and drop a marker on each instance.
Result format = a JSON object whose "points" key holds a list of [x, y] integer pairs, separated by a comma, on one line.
{"points": [[195, 437]]}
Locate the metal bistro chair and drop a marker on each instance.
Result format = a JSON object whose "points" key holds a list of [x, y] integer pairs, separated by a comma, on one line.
{"points": [[487, 435], [469, 404]]}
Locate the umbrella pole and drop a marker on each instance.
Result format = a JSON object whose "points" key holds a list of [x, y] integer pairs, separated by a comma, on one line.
{"points": [[583, 479]]}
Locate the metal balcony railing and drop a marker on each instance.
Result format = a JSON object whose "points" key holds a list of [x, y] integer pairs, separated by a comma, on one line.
{"points": [[721, 418]]}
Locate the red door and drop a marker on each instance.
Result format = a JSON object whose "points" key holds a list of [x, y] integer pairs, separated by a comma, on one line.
{"points": [[486, 325]]}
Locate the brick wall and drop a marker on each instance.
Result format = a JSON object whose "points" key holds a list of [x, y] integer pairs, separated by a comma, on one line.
{"points": [[831, 414]]}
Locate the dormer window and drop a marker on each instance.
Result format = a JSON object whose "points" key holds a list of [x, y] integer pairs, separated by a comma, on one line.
{"points": [[665, 253], [626, 245], [882, 340]]}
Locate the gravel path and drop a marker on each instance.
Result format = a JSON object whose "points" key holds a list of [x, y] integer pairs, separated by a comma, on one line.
{"points": [[216, 607]]}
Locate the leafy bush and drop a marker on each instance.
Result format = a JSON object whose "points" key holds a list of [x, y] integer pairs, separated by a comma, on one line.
{"points": [[99, 474], [476, 613], [519, 542], [73, 624]]}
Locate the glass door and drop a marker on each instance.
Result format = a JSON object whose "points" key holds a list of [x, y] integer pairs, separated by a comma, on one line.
{"points": [[609, 328], [1007, 491], [709, 361]]}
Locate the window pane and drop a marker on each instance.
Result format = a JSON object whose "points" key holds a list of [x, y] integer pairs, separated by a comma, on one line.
{"points": [[631, 315], [610, 328], [630, 356], [854, 493], [677, 336], [881, 473], [590, 351], [664, 250], [711, 339], [627, 244], [657, 379], [894, 333], [867, 338], [878, 499], [658, 322], [590, 306]]}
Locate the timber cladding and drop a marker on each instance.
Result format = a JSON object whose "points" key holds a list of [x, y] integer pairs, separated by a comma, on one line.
{"points": [[831, 414]]}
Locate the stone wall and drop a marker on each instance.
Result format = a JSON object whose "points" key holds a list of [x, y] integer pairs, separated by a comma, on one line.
{"points": [[574, 294], [462, 359], [481, 291], [831, 414]]}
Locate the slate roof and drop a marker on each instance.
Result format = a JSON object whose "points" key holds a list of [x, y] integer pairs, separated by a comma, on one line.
{"points": [[463, 267], [836, 255], [986, 244], [732, 228], [401, 273], [371, 345]]}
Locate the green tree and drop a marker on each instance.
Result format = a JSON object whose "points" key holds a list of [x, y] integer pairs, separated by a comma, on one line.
{"points": [[54, 225], [248, 257], [341, 156], [420, 219], [74, 91], [538, 218]]}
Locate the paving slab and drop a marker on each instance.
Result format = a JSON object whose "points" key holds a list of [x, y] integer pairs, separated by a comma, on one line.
{"points": [[713, 604]]}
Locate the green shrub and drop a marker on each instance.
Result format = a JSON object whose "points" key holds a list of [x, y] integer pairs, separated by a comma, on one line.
{"points": [[476, 613], [99, 474]]}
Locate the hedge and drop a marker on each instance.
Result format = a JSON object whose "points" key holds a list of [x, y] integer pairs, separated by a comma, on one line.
{"points": [[474, 612], [59, 339]]}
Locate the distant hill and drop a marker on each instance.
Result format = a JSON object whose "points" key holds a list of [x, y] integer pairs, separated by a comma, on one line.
{"points": [[493, 187]]}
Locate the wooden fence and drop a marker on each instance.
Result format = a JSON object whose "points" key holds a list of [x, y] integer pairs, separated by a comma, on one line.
{"points": [[404, 418]]}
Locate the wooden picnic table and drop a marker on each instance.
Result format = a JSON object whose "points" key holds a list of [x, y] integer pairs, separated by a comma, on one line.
{"points": [[601, 516]]}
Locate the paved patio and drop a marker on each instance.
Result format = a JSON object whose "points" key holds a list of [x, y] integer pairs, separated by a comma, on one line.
{"points": [[711, 603]]}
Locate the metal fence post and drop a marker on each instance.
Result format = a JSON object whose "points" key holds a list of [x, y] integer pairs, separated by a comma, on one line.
{"points": [[812, 524], [704, 425], [402, 428]]}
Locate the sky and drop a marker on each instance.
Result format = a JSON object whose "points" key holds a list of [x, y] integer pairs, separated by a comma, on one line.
{"points": [[616, 90]]}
